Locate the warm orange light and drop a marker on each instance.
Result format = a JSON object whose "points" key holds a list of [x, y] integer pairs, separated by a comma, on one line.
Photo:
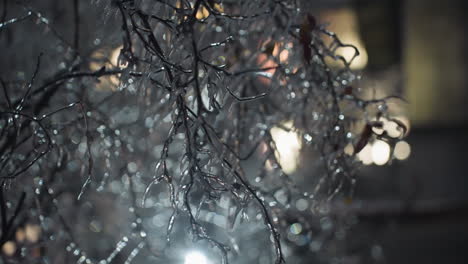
{"points": [[33, 232], [20, 235], [202, 13], [345, 25], [109, 60], [9, 248], [265, 59]]}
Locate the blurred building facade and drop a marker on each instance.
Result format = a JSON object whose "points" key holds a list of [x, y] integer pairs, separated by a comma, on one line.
{"points": [[417, 209]]}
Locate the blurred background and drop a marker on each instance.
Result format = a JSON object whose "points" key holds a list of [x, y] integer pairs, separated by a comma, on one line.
{"points": [[416, 210]]}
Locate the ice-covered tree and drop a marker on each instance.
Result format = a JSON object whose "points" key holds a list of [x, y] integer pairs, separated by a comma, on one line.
{"points": [[151, 131]]}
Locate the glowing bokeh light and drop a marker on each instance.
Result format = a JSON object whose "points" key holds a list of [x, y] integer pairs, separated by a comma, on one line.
{"points": [[288, 145], [365, 155], [109, 59], [295, 229], [380, 152], [9, 248], [195, 257], [345, 24], [402, 150]]}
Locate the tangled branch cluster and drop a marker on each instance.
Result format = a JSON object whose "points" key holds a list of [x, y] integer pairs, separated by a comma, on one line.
{"points": [[177, 130]]}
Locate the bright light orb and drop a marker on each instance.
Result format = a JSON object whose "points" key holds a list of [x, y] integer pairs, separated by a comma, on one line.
{"points": [[402, 150], [380, 152], [365, 155], [288, 145], [195, 257]]}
